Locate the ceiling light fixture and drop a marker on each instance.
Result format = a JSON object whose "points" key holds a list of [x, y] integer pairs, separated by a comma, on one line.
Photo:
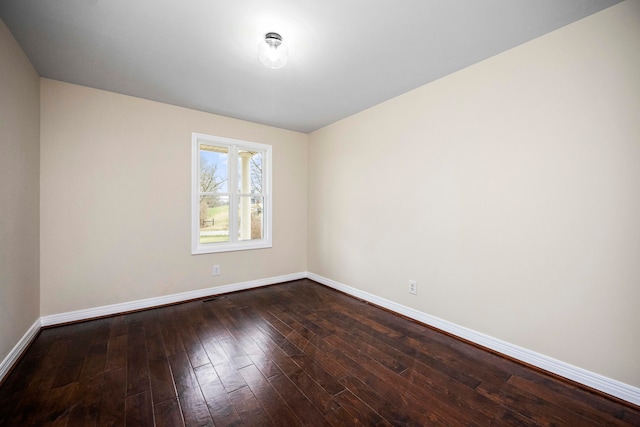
{"points": [[272, 52]]}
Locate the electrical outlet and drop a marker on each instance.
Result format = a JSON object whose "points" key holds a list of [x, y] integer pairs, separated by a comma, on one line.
{"points": [[413, 287], [216, 270]]}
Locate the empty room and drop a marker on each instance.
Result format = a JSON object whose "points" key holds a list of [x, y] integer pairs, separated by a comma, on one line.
{"points": [[319, 213]]}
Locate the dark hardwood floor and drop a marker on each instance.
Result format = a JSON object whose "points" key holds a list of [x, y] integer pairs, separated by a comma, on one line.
{"points": [[291, 354]]}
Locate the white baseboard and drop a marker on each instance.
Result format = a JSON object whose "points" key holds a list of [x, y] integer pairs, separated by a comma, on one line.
{"points": [[17, 350], [596, 381], [107, 310]]}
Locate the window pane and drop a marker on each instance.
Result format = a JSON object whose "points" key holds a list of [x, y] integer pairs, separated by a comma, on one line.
{"points": [[250, 218], [214, 219], [249, 172], [214, 171]]}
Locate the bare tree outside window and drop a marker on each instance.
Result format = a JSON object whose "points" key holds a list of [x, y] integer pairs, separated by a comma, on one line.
{"points": [[210, 180], [256, 189], [256, 173]]}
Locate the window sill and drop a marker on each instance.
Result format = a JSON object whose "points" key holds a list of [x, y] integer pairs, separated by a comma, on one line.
{"points": [[229, 247]]}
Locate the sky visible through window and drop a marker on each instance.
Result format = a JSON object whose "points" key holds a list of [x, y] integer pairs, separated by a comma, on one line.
{"points": [[222, 162]]}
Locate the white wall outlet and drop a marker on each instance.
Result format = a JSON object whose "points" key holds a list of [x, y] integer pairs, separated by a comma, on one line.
{"points": [[413, 287], [216, 270]]}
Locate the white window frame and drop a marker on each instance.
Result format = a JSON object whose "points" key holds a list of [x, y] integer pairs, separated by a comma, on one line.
{"points": [[234, 244]]}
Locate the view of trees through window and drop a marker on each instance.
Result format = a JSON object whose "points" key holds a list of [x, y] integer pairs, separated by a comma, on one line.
{"points": [[230, 204]]}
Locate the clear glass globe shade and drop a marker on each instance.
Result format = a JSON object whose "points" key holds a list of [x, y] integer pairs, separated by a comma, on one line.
{"points": [[273, 53]]}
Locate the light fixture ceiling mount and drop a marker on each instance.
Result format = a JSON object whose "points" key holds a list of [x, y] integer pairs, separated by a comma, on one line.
{"points": [[272, 52]]}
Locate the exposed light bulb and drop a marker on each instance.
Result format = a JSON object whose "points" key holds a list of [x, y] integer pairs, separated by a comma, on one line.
{"points": [[272, 52]]}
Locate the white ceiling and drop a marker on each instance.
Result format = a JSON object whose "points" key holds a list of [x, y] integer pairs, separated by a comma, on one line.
{"points": [[345, 55]]}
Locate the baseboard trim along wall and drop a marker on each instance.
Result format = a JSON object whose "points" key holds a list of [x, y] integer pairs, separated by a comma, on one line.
{"points": [[107, 310], [18, 349], [590, 379]]}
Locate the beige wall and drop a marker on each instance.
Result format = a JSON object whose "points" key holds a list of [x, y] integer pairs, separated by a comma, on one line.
{"points": [[115, 198], [19, 193], [509, 190]]}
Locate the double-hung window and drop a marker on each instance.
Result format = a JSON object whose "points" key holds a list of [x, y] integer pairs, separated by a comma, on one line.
{"points": [[231, 195]]}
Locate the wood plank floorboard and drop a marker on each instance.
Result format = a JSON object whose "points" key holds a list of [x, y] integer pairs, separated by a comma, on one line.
{"points": [[294, 354]]}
